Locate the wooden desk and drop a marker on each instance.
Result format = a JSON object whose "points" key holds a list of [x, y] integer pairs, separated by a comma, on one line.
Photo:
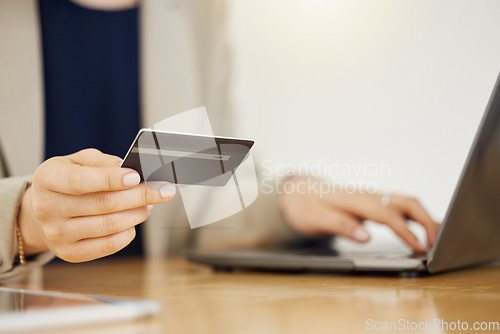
{"points": [[197, 300]]}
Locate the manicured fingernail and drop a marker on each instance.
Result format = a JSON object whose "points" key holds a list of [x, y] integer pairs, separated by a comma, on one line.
{"points": [[360, 234], [167, 190], [131, 179], [150, 207]]}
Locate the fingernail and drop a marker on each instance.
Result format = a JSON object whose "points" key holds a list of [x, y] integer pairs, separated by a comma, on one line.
{"points": [[131, 179], [150, 207], [361, 234], [167, 190]]}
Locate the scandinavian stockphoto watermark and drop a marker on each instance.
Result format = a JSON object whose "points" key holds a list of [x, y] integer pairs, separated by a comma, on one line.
{"points": [[438, 324], [323, 177], [205, 203]]}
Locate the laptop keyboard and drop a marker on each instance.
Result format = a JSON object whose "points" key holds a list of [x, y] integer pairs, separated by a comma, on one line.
{"points": [[375, 252]]}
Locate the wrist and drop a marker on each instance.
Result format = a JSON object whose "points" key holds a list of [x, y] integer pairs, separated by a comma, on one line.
{"points": [[28, 227]]}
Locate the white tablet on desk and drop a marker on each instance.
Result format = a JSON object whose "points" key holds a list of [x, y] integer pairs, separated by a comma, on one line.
{"points": [[22, 310]]}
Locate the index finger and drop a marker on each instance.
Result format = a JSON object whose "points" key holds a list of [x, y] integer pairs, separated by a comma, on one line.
{"points": [[412, 209], [369, 207]]}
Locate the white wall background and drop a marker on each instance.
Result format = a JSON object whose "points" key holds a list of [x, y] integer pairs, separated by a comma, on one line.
{"points": [[394, 82]]}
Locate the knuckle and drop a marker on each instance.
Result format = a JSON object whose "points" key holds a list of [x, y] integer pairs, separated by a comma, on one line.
{"points": [[42, 211], [345, 226], [89, 151], [413, 202], [108, 223], [75, 180], [52, 232], [108, 181], [348, 224], [40, 174], [409, 202], [144, 195], [105, 202], [393, 220], [38, 177]]}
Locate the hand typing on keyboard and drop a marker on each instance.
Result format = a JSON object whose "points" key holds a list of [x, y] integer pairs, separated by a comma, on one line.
{"points": [[342, 212]]}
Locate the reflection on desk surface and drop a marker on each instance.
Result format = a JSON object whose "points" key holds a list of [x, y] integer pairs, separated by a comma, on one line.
{"points": [[197, 300]]}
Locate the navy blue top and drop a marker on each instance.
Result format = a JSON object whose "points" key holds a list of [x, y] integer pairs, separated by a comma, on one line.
{"points": [[91, 78]]}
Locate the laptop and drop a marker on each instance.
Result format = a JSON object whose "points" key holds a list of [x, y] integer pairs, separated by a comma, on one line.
{"points": [[468, 236]]}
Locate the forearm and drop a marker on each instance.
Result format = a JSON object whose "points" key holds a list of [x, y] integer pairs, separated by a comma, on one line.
{"points": [[12, 190]]}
